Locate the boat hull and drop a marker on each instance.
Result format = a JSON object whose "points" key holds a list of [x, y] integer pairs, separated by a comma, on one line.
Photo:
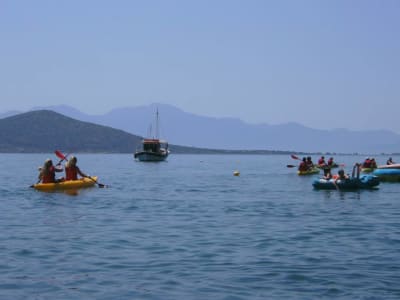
{"points": [[367, 170], [327, 167], [150, 156], [66, 185], [312, 171], [394, 166], [364, 182], [388, 174]]}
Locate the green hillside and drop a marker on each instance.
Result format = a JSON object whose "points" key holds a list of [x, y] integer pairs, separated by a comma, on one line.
{"points": [[44, 131]]}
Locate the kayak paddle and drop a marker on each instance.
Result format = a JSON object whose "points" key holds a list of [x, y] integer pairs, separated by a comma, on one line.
{"points": [[100, 185], [61, 156]]}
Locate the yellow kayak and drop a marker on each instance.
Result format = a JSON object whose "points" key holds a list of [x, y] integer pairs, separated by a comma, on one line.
{"points": [[67, 185], [367, 170], [311, 171]]}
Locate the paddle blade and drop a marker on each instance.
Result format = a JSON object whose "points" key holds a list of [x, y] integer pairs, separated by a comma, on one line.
{"points": [[100, 185], [291, 166], [294, 156], [59, 154]]}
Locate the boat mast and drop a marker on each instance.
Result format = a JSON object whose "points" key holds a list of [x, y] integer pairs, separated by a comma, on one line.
{"points": [[157, 126]]}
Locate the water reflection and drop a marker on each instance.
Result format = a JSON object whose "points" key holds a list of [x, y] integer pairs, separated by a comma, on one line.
{"points": [[342, 195]]}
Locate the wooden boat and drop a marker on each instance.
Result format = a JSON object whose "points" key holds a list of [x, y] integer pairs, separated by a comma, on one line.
{"points": [[153, 149]]}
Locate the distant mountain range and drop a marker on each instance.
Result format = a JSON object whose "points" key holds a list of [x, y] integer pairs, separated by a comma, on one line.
{"points": [[46, 130], [182, 128]]}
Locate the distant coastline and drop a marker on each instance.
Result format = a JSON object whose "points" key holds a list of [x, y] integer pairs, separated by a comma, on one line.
{"points": [[43, 131]]}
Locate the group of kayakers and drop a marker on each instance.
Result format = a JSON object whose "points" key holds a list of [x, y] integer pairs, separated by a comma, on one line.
{"points": [[370, 162], [47, 173], [307, 164]]}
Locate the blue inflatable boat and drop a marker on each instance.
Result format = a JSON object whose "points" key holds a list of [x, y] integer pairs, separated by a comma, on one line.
{"points": [[353, 183], [387, 174]]}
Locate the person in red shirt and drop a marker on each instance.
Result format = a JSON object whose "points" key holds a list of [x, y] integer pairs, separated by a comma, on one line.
{"points": [[303, 165], [72, 170], [367, 163], [48, 172], [321, 161]]}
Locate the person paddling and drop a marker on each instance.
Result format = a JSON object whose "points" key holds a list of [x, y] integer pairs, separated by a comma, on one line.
{"points": [[48, 172], [330, 162], [72, 170], [390, 161], [321, 161], [310, 163], [303, 165]]}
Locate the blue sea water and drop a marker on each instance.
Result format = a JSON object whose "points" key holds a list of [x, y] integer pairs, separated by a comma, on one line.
{"points": [[189, 229]]}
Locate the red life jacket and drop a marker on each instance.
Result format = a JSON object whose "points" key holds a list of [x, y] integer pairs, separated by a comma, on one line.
{"points": [[303, 166], [71, 173], [49, 176], [367, 164], [321, 161]]}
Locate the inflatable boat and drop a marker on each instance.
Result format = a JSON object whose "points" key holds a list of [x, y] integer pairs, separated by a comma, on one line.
{"points": [[353, 183], [388, 174]]}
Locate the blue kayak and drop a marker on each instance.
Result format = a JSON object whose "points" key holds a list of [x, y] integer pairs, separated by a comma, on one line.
{"points": [[353, 183]]}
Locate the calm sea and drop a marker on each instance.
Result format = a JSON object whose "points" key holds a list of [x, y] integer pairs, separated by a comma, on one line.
{"points": [[189, 229]]}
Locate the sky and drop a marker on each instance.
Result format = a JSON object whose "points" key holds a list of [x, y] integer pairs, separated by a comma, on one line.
{"points": [[324, 64]]}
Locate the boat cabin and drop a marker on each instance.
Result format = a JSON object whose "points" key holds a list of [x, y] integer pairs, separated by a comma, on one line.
{"points": [[153, 145]]}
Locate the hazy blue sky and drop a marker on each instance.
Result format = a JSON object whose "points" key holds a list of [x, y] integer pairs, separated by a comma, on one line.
{"points": [[322, 63]]}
